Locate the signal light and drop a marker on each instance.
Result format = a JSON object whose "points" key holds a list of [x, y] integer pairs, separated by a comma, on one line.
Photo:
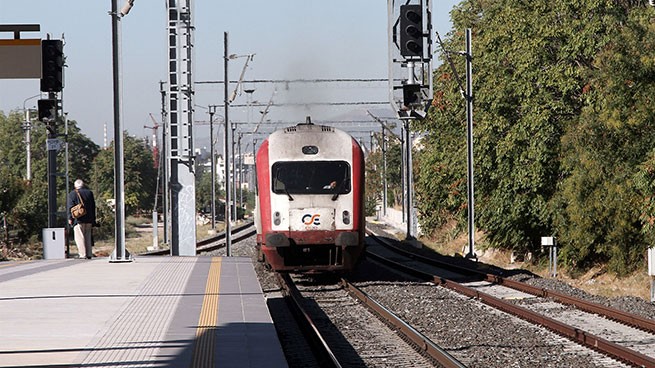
{"points": [[411, 95], [52, 60], [411, 30], [47, 109]]}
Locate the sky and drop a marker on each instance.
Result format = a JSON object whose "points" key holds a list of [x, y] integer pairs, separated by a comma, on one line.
{"points": [[291, 39]]}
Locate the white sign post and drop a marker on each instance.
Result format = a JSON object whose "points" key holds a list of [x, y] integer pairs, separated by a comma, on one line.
{"points": [[551, 244], [651, 273]]}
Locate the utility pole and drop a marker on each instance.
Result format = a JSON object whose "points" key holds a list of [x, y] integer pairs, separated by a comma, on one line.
{"points": [[409, 218], [66, 160], [180, 124], [384, 172], [27, 126], [468, 95], [228, 232], [156, 163], [253, 177], [384, 147], [28, 146], [164, 161], [234, 174], [212, 111], [120, 254], [469, 143], [240, 172]]}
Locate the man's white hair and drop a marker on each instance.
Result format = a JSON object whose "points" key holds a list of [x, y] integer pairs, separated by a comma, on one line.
{"points": [[79, 183]]}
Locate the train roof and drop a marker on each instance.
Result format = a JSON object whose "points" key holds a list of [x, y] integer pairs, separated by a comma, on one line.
{"points": [[309, 127], [330, 142]]}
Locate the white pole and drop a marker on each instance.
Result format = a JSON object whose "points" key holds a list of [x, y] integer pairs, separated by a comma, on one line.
{"points": [[155, 233], [651, 272]]}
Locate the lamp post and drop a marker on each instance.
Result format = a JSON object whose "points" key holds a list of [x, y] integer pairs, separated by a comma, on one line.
{"points": [[249, 57], [240, 172], [254, 164], [227, 100], [228, 234], [234, 175], [27, 126], [212, 111], [120, 254]]}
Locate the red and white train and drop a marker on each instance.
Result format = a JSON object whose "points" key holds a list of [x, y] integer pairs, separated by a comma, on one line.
{"points": [[309, 207]]}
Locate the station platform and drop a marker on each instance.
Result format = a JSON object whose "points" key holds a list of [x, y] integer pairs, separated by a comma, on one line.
{"points": [[152, 312]]}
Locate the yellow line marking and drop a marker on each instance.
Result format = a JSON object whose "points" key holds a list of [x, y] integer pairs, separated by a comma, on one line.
{"points": [[203, 353]]}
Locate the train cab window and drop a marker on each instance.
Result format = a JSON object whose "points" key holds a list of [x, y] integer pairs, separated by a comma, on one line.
{"points": [[311, 177]]}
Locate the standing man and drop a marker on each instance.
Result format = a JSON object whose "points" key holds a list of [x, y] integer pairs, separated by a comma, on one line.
{"points": [[83, 225]]}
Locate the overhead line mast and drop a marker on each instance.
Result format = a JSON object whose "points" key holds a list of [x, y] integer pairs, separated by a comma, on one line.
{"points": [[180, 127]]}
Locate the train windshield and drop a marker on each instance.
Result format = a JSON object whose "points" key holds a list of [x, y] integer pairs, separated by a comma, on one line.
{"points": [[311, 177]]}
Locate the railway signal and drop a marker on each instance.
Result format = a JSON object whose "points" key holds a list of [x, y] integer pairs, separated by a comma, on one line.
{"points": [[411, 30], [52, 57], [47, 110], [412, 95]]}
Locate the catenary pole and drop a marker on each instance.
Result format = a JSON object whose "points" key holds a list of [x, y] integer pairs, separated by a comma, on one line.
{"points": [[228, 235], [469, 143], [164, 161], [212, 111], [119, 254]]}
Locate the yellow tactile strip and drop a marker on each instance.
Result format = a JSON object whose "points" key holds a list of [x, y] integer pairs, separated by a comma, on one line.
{"points": [[203, 352]]}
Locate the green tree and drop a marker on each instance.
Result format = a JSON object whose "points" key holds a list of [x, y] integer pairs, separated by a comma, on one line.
{"points": [[11, 190], [204, 193], [550, 78], [373, 182], [394, 172], [374, 175], [605, 200], [139, 173], [29, 214]]}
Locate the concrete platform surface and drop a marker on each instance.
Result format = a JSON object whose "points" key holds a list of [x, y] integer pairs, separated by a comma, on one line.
{"points": [[153, 312]]}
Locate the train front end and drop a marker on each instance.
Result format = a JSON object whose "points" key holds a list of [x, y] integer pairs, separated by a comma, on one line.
{"points": [[310, 194]]}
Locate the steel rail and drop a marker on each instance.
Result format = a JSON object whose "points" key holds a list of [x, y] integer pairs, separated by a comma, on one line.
{"points": [[423, 342], [205, 245], [587, 339], [318, 344], [630, 319]]}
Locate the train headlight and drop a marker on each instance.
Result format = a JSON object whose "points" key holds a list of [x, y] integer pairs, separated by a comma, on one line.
{"points": [[276, 218], [346, 217]]}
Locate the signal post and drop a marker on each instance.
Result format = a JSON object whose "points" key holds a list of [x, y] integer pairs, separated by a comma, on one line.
{"points": [[410, 79], [52, 82]]}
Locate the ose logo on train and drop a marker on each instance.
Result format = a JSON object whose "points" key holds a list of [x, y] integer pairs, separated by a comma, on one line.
{"points": [[309, 219]]}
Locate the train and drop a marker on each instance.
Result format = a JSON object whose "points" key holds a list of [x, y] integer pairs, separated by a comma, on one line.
{"points": [[309, 203]]}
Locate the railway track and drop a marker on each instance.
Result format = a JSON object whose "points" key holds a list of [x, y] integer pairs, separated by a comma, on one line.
{"points": [[346, 333], [631, 339], [333, 304], [215, 242]]}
